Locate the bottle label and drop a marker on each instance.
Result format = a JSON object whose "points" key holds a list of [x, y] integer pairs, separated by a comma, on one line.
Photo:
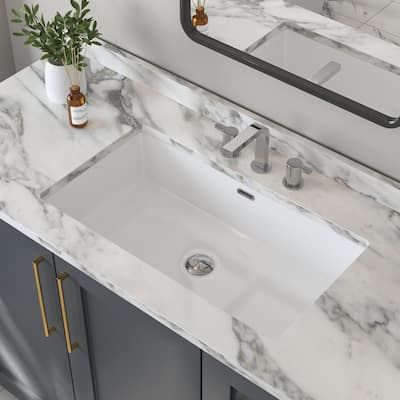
{"points": [[79, 115]]}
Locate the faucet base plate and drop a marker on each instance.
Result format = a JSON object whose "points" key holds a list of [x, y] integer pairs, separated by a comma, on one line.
{"points": [[290, 187]]}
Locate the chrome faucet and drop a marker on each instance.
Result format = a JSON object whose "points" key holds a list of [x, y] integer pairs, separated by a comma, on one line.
{"points": [[233, 147]]}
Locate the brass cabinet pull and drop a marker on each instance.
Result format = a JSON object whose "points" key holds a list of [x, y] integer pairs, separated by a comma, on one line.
{"points": [[48, 330], [70, 346]]}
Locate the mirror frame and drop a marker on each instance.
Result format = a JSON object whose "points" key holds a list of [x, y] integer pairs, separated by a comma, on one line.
{"points": [[322, 93]]}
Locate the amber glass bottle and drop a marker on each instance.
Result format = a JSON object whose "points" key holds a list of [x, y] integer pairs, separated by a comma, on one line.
{"points": [[200, 19], [77, 107]]}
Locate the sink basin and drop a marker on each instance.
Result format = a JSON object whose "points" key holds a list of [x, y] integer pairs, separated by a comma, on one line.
{"points": [[304, 54], [165, 204]]}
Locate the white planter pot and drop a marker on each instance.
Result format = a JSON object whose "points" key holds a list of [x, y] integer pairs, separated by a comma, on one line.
{"points": [[58, 82]]}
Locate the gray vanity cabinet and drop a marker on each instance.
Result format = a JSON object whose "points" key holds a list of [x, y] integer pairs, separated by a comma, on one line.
{"points": [[64, 337], [222, 383], [32, 366], [131, 355]]}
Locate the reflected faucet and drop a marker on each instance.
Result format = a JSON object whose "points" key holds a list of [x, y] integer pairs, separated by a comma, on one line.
{"points": [[233, 147]]}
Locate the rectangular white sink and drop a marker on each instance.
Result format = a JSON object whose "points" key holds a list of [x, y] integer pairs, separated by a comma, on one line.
{"points": [[304, 53], [164, 204]]}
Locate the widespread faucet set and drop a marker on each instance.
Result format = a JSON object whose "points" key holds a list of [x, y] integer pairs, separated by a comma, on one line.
{"points": [[234, 142]]}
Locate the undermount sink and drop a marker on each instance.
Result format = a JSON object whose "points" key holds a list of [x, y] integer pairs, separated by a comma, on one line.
{"points": [[164, 204], [354, 75]]}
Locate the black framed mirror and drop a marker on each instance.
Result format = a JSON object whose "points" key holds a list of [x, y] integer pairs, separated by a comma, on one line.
{"points": [[301, 43]]}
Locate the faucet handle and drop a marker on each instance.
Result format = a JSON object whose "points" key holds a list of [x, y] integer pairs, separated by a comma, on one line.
{"points": [[293, 179], [229, 132]]}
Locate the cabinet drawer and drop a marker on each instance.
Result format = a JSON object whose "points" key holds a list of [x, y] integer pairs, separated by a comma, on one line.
{"points": [[222, 383], [132, 356], [33, 361]]}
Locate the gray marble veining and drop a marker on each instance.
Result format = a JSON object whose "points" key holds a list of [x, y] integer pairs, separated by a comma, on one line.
{"points": [[378, 18], [346, 346]]}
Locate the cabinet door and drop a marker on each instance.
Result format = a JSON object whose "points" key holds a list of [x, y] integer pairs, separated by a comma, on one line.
{"points": [[132, 356], [32, 366], [222, 383]]}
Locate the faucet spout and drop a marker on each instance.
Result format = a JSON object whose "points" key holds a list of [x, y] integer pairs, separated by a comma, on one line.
{"points": [[261, 135], [260, 164], [233, 147]]}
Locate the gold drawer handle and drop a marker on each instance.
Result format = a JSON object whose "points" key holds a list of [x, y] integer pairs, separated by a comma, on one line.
{"points": [[70, 346], [47, 330]]}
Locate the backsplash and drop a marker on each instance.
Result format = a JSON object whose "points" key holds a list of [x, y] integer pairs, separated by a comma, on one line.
{"points": [[377, 17], [7, 67]]}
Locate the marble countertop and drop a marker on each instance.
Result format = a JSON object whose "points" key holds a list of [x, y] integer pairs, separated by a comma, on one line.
{"points": [[346, 346], [242, 24]]}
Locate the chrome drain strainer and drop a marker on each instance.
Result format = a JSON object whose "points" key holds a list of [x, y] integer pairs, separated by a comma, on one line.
{"points": [[199, 265]]}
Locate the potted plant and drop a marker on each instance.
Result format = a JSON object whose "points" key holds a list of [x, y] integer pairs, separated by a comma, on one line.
{"points": [[63, 41]]}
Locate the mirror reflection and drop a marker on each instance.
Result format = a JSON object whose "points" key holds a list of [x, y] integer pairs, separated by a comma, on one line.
{"points": [[348, 46]]}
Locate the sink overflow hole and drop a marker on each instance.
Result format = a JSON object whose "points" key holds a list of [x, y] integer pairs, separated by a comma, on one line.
{"points": [[245, 194], [199, 265]]}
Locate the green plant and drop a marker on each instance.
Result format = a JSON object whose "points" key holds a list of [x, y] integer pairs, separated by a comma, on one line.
{"points": [[63, 40], [199, 3]]}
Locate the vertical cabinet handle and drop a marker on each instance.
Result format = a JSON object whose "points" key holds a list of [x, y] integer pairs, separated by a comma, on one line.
{"points": [[70, 346], [47, 330]]}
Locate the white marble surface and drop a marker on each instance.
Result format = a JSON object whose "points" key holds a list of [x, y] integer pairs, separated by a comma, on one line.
{"points": [[229, 18], [346, 346], [378, 17], [359, 10]]}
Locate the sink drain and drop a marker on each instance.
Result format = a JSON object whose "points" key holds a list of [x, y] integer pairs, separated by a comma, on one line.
{"points": [[199, 265]]}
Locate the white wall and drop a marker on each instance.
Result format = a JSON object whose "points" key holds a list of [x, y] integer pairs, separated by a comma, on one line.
{"points": [[151, 28], [7, 67]]}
